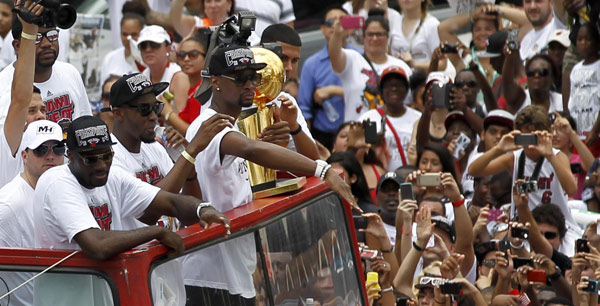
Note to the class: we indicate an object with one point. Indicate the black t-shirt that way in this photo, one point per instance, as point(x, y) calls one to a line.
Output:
point(561, 260)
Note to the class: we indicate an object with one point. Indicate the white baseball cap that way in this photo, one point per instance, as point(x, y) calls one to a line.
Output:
point(438, 76)
point(40, 131)
point(153, 33)
point(561, 36)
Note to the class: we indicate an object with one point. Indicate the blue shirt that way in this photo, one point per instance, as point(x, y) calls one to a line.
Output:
point(317, 73)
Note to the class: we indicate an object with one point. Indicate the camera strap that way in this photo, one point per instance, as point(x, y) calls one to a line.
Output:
point(388, 123)
point(536, 170)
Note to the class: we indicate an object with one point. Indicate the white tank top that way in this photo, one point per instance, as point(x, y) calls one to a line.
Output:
point(549, 189)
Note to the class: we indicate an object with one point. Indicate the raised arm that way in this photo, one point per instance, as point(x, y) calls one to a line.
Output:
point(488, 94)
point(183, 24)
point(560, 162)
point(22, 84)
point(538, 242)
point(516, 16)
point(495, 160)
point(514, 94)
point(462, 221)
point(336, 44)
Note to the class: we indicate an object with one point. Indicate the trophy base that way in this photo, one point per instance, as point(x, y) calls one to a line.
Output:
point(264, 186)
point(283, 186)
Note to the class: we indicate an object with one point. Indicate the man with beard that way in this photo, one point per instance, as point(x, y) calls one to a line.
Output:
point(60, 84)
point(541, 15)
point(222, 274)
point(136, 110)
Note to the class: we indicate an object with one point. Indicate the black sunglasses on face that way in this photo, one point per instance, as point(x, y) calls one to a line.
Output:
point(51, 35)
point(471, 84)
point(192, 54)
point(152, 45)
point(550, 235)
point(42, 150)
point(329, 22)
point(93, 159)
point(240, 80)
point(541, 72)
point(146, 109)
point(490, 263)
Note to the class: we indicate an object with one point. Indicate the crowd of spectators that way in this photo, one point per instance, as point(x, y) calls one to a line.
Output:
point(496, 139)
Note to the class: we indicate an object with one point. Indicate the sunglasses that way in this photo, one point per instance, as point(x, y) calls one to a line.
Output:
point(89, 160)
point(241, 80)
point(51, 35)
point(550, 235)
point(471, 84)
point(329, 22)
point(152, 45)
point(146, 109)
point(192, 54)
point(541, 72)
point(42, 150)
point(434, 281)
point(490, 263)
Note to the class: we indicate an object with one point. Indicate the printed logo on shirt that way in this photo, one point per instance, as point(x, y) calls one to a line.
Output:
point(543, 184)
point(151, 176)
point(103, 216)
point(243, 168)
point(370, 96)
point(59, 107)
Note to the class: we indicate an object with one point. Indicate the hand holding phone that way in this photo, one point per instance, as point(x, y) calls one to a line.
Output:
point(519, 232)
point(370, 132)
point(452, 288)
point(360, 222)
point(494, 213)
point(522, 261)
point(406, 191)
point(581, 246)
point(352, 22)
point(429, 179)
point(538, 276)
point(526, 139)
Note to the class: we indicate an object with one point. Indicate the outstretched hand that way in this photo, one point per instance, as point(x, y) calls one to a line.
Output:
point(335, 182)
point(208, 130)
point(209, 215)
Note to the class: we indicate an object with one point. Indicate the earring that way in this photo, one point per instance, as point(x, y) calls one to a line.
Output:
point(218, 89)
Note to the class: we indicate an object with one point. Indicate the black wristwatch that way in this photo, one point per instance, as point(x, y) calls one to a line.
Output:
point(556, 275)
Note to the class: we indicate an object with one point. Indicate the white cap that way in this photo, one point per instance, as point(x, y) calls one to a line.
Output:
point(155, 34)
point(561, 36)
point(438, 76)
point(40, 131)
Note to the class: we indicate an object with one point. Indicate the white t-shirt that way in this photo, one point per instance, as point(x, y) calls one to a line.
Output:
point(555, 102)
point(536, 40)
point(16, 217)
point(420, 44)
point(115, 63)
point(63, 93)
point(356, 75)
point(230, 264)
point(467, 180)
point(151, 165)
point(167, 75)
point(64, 208)
point(549, 189)
point(356, 38)
point(403, 126)
point(11, 165)
point(267, 12)
point(584, 101)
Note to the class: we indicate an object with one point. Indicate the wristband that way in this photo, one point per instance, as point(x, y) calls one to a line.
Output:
point(296, 131)
point(188, 157)
point(391, 288)
point(387, 251)
point(28, 36)
point(516, 247)
point(417, 247)
point(324, 173)
point(321, 165)
point(167, 116)
point(555, 276)
point(459, 203)
point(200, 206)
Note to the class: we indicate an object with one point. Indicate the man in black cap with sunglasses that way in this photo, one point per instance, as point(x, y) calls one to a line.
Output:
point(87, 205)
point(223, 177)
point(136, 110)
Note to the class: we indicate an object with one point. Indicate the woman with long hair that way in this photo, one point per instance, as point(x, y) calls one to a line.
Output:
point(354, 176)
point(415, 36)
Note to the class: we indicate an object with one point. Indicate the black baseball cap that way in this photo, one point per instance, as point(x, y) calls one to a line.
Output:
point(445, 225)
point(131, 86)
point(227, 59)
point(496, 43)
point(390, 176)
point(88, 133)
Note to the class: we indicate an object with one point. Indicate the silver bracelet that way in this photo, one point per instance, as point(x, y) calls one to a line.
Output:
point(200, 206)
point(516, 247)
point(391, 288)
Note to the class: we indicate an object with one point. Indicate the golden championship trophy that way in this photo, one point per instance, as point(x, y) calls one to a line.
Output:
point(254, 120)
